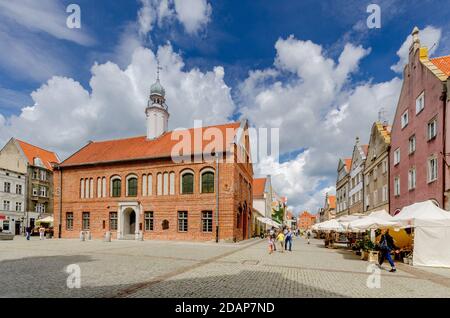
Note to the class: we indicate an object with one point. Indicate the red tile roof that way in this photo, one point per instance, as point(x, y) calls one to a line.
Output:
point(348, 163)
point(137, 148)
point(442, 63)
point(332, 202)
point(259, 184)
point(32, 152)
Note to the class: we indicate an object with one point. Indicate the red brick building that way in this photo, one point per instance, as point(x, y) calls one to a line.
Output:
point(151, 187)
point(306, 220)
point(418, 160)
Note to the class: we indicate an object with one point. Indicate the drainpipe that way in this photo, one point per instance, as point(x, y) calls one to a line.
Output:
point(217, 198)
point(444, 166)
point(60, 202)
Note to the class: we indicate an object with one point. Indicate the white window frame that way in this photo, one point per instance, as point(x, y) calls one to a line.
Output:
point(396, 156)
point(405, 119)
point(431, 134)
point(412, 179)
point(201, 178)
point(111, 185)
point(432, 174)
point(187, 171)
point(397, 186)
point(130, 176)
point(412, 141)
point(385, 193)
point(172, 183)
point(420, 102)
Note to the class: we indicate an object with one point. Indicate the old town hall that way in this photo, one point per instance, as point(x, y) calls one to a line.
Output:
point(143, 188)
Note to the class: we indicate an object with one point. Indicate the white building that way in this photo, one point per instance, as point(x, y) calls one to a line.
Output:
point(12, 201)
point(356, 181)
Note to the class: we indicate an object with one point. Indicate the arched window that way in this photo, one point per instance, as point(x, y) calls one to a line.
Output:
point(172, 183)
point(82, 188)
point(86, 188)
point(150, 184)
point(144, 185)
point(99, 187)
point(116, 187)
point(207, 181)
point(91, 188)
point(187, 182)
point(166, 183)
point(103, 187)
point(132, 186)
point(159, 184)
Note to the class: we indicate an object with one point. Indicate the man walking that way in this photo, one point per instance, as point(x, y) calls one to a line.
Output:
point(288, 240)
point(308, 234)
point(41, 233)
point(28, 232)
point(386, 246)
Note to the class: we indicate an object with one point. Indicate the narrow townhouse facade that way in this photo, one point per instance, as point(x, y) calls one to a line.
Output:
point(37, 166)
point(159, 186)
point(329, 208)
point(419, 155)
point(12, 201)
point(262, 203)
point(376, 172)
point(343, 187)
point(306, 220)
point(356, 179)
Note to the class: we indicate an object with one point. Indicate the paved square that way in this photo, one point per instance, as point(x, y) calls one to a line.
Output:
point(188, 269)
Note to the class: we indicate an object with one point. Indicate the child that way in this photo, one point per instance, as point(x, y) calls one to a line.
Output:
point(280, 238)
point(271, 244)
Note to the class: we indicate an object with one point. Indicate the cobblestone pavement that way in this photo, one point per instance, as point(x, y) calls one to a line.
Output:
point(187, 269)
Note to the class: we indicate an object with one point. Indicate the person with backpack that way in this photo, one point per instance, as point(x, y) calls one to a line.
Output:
point(386, 246)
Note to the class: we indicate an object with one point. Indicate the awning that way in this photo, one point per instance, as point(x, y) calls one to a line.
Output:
point(48, 219)
point(269, 222)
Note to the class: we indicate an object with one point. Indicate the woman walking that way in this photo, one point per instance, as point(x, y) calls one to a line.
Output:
point(280, 238)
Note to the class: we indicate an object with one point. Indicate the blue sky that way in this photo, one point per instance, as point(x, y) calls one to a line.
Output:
point(239, 36)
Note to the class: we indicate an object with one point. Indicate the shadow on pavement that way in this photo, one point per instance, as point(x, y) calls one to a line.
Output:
point(45, 277)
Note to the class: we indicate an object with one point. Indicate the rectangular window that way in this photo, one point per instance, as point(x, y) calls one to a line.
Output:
point(385, 193)
point(207, 218)
point(43, 192)
point(113, 221)
point(182, 221)
point(39, 208)
point(86, 221)
point(412, 144)
point(69, 221)
point(35, 174)
point(405, 119)
point(420, 103)
point(375, 197)
point(6, 205)
point(432, 129)
point(412, 179)
point(148, 221)
point(7, 187)
point(43, 175)
point(18, 189)
point(432, 169)
point(18, 206)
point(384, 166)
point(397, 186)
point(397, 156)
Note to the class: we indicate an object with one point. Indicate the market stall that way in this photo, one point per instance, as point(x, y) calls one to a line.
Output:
point(430, 232)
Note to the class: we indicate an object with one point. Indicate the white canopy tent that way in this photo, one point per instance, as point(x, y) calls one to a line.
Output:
point(431, 233)
point(370, 223)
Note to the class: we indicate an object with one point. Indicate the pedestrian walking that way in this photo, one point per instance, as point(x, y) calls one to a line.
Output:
point(280, 239)
point(308, 235)
point(28, 232)
point(273, 236)
point(288, 240)
point(41, 232)
point(271, 243)
point(386, 246)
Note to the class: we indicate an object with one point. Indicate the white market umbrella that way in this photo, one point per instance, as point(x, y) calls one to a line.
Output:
point(269, 222)
point(381, 214)
point(331, 225)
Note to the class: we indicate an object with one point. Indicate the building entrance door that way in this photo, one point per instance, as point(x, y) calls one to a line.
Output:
point(17, 228)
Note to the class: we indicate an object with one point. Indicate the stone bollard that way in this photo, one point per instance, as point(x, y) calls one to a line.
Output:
point(108, 236)
point(82, 236)
point(89, 235)
point(140, 236)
